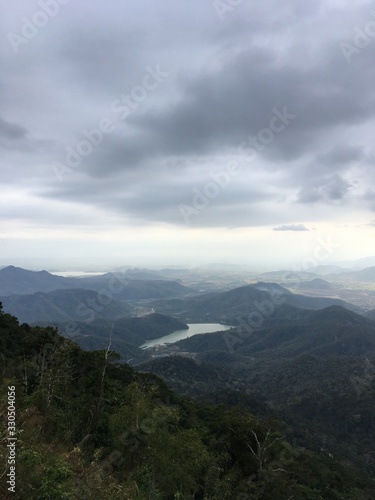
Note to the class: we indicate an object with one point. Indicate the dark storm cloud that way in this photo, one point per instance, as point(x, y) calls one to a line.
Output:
point(163, 195)
point(341, 155)
point(338, 159)
point(224, 106)
point(120, 153)
point(12, 131)
point(330, 189)
point(229, 81)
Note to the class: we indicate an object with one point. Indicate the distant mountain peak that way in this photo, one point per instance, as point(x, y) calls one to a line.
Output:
point(336, 312)
point(315, 284)
point(270, 287)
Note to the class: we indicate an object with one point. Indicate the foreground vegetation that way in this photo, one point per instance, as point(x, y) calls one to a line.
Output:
point(90, 427)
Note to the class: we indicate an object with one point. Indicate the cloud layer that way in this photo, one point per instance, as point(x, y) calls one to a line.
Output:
point(130, 110)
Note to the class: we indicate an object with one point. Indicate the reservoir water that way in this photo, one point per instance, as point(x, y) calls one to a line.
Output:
point(194, 329)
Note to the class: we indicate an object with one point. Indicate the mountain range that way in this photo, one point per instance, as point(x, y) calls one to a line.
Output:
point(64, 305)
point(317, 284)
point(290, 332)
point(364, 275)
point(332, 273)
point(308, 362)
point(15, 280)
point(228, 306)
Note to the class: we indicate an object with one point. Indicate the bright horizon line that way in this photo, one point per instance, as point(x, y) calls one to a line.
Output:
point(101, 268)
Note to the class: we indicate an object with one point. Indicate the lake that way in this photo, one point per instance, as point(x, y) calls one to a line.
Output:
point(77, 274)
point(194, 329)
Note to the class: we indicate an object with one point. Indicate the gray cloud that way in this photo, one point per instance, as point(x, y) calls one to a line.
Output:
point(328, 189)
point(291, 227)
point(369, 199)
point(11, 130)
point(341, 154)
point(226, 79)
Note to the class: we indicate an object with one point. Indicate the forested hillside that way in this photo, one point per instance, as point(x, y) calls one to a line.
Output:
point(89, 427)
point(229, 305)
point(314, 369)
point(125, 334)
point(64, 305)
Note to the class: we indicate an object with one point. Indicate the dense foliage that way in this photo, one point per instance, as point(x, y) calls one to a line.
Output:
point(314, 369)
point(89, 427)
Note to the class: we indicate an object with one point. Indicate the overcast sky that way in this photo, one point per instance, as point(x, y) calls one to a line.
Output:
point(187, 131)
